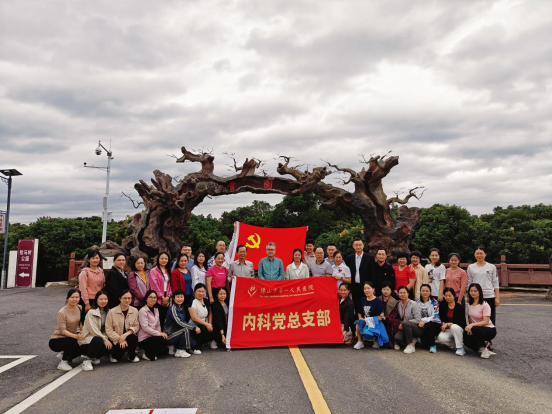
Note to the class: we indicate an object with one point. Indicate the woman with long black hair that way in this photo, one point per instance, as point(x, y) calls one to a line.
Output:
point(480, 330)
point(95, 343)
point(67, 334)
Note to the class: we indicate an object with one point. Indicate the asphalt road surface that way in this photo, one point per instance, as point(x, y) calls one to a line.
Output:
point(516, 380)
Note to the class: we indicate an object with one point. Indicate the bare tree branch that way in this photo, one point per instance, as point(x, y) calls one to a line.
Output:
point(135, 204)
point(416, 192)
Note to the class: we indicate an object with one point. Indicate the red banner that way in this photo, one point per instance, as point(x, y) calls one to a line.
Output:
point(286, 240)
point(280, 313)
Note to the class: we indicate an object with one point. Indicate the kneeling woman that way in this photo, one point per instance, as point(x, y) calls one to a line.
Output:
point(391, 318)
point(150, 337)
point(368, 307)
point(430, 322)
point(410, 316)
point(178, 329)
point(95, 342)
point(480, 329)
point(66, 336)
point(453, 316)
point(200, 315)
point(346, 313)
point(121, 327)
point(219, 312)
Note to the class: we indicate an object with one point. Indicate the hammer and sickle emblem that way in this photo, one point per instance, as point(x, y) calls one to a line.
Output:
point(254, 243)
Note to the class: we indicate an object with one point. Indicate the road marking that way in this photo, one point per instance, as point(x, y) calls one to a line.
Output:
point(316, 398)
point(26, 403)
point(19, 360)
point(523, 304)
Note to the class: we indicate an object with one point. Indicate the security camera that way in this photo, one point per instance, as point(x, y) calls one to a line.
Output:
point(99, 150)
point(85, 164)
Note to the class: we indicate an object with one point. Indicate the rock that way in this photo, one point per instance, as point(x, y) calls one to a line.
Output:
point(57, 284)
point(548, 295)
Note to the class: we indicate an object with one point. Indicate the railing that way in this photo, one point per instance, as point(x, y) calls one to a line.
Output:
point(74, 266)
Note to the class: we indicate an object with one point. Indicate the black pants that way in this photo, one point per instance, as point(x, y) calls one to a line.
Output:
point(154, 346)
point(357, 292)
point(117, 352)
point(162, 315)
point(69, 346)
point(217, 336)
point(203, 337)
point(491, 302)
point(431, 330)
point(479, 335)
point(95, 349)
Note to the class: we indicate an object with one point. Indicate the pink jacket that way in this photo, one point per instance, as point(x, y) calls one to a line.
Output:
point(138, 288)
point(90, 283)
point(149, 323)
point(157, 283)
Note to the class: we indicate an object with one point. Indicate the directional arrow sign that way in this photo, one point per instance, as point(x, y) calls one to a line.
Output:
point(24, 274)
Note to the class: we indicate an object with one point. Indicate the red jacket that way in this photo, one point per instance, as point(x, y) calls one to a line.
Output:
point(177, 281)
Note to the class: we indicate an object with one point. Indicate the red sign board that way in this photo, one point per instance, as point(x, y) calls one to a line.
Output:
point(280, 313)
point(24, 266)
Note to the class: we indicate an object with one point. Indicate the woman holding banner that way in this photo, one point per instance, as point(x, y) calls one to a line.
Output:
point(297, 269)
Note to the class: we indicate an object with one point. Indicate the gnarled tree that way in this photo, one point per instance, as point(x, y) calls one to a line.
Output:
point(168, 207)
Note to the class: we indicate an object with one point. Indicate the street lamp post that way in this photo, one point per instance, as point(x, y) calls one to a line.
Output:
point(108, 170)
point(8, 173)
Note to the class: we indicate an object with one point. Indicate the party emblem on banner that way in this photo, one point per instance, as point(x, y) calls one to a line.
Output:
point(255, 243)
point(252, 290)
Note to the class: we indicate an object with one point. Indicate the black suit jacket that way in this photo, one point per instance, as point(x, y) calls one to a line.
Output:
point(365, 269)
point(115, 283)
point(219, 317)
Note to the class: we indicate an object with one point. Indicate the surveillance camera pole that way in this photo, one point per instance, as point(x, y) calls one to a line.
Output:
point(108, 170)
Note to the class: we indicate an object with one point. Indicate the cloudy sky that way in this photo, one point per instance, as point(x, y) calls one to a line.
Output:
point(460, 91)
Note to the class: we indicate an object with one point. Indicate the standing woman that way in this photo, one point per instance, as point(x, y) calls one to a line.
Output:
point(404, 274)
point(116, 280)
point(121, 327)
point(409, 314)
point(138, 283)
point(150, 336)
point(436, 273)
point(368, 307)
point(181, 279)
point(480, 330)
point(456, 278)
point(95, 343)
point(200, 315)
point(391, 318)
point(91, 278)
point(486, 276)
point(66, 336)
point(346, 313)
point(296, 269)
point(199, 269)
point(219, 312)
point(341, 272)
point(178, 329)
point(216, 277)
point(430, 322)
point(160, 282)
point(453, 315)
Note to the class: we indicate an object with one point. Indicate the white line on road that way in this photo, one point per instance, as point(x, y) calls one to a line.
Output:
point(19, 360)
point(23, 405)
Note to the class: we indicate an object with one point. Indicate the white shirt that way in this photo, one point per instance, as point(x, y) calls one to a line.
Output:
point(358, 260)
point(202, 311)
point(343, 271)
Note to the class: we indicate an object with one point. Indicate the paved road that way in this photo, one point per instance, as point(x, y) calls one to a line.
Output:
point(517, 380)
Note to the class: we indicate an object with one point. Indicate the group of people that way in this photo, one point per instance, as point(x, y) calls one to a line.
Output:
point(177, 308)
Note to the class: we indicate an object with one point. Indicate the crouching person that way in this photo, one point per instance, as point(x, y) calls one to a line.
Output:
point(150, 337)
point(95, 344)
point(178, 330)
point(121, 327)
point(453, 316)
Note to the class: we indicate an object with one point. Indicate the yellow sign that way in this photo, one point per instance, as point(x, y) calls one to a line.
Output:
point(254, 243)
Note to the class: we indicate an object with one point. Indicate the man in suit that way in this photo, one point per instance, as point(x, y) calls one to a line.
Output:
point(361, 265)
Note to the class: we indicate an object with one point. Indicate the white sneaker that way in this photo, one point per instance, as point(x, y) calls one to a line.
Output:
point(171, 350)
point(136, 359)
point(213, 345)
point(87, 365)
point(96, 361)
point(180, 353)
point(111, 359)
point(375, 345)
point(397, 347)
point(60, 356)
point(480, 350)
point(409, 349)
point(359, 345)
point(64, 366)
point(147, 359)
point(196, 352)
point(485, 353)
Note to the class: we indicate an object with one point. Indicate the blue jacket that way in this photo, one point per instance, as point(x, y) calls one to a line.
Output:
point(377, 332)
point(176, 325)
